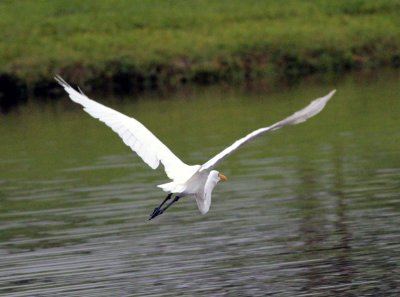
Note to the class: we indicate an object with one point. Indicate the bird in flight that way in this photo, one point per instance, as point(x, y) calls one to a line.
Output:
point(186, 180)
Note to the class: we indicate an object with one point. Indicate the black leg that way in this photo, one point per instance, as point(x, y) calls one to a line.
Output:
point(172, 202)
point(165, 200)
point(158, 210)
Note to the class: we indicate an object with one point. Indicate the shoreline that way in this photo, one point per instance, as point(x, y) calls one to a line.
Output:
point(133, 46)
point(125, 79)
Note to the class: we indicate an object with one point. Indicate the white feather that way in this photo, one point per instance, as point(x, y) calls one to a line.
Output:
point(298, 117)
point(135, 135)
point(203, 197)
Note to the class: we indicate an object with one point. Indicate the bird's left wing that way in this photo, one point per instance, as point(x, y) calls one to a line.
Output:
point(298, 117)
point(134, 134)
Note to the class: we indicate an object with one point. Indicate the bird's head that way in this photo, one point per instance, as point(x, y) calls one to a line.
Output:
point(216, 176)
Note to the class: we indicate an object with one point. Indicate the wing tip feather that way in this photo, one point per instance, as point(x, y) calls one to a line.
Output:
point(61, 81)
point(331, 93)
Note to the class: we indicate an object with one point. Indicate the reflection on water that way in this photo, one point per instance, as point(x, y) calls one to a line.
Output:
point(313, 210)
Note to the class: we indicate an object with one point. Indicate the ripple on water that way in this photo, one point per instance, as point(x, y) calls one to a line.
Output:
point(305, 213)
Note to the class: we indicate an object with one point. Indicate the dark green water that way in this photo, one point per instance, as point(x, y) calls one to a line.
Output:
point(311, 210)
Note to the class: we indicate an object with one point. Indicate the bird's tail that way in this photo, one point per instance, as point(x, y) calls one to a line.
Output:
point(172, 187)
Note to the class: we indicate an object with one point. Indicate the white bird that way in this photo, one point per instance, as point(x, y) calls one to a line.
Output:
point(186, 180)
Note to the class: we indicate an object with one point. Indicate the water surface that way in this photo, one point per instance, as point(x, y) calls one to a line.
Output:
point(310, 210)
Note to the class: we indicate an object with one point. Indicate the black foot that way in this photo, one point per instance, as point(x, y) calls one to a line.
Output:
point(156, 212)
point(160, 210)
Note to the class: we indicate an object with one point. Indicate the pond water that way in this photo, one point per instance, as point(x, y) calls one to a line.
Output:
point(310, 210)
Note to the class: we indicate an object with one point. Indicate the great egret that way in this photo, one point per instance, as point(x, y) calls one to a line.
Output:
point(193, 180)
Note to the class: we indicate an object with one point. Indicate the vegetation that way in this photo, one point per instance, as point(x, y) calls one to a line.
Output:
point(159, 42)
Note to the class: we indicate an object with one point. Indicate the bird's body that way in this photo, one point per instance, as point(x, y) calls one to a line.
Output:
point(186, 180)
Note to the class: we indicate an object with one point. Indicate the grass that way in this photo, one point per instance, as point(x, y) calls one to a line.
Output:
point(161, 41)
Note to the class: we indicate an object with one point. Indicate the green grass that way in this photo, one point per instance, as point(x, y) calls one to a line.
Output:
point(195, 39)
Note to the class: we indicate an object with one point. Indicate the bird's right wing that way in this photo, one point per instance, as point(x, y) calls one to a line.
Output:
point(298, 117)
point(134, 134)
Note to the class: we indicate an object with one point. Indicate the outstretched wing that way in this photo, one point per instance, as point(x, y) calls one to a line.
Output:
point(134, 135)
point(298, 117)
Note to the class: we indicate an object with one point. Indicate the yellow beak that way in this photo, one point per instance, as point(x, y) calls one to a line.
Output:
point(222, 177)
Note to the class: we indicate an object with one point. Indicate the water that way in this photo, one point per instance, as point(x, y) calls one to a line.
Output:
point(311, 210)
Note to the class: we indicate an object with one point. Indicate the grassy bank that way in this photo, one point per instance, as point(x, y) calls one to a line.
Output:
point(146, 44)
